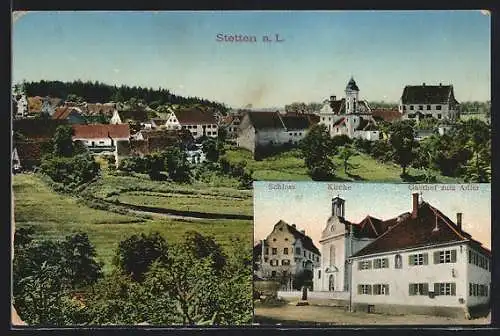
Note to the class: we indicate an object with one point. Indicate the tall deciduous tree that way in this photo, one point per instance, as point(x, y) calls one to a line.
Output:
point(402, 140)
point(63, 141)
point(317, 148)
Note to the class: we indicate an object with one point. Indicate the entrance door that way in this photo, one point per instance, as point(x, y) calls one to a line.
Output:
point(331, 283)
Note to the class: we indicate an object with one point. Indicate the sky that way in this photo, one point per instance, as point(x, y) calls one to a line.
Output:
point(320, 51)
point(308, 205)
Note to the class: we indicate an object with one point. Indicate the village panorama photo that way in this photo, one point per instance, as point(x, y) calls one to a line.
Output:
point(372, 254)
point(137, 137)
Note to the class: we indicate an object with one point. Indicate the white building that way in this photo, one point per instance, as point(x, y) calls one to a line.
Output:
point(197, 121)
point(22, 106)
point(260, 129)
point(419, 262)
point(285, 253)
point(101, 138)
point(349, 116)
point(421, 101)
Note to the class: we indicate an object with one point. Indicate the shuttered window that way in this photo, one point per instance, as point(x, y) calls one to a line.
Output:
point(364, 265)
point(419, 289)
point(445, 288)
point(418, 259)
point(445, 257)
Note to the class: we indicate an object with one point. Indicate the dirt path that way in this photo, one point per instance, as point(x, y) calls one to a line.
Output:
point(311, 315)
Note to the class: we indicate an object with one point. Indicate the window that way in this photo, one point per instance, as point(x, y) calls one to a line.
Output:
point(285, 250)
point(478, 290)
point(420, 107)
point(439, 116)
point(285, 262)
point(381, 263)
point(444, 257)
point(101, 142)
point(290, 134)
point(404, 107)
point(295, 134)
point(274, 239)
point(305, 255)
point(209, 133)
point(418, 259)
point(419, 289)
point(300, 133)
point(411, 107)
point(286, 239)
point(398, 261)
point(364, 265)
point(266, 259)
point(297, 250)
point(381, 289)
point(273, 274)
point(275, 251)
point(195, 133)
point(273, 262)
point(365, 289)
point(428, 107)
point(319, 274)
point(267, 250)
point(438, 107)
point(445, 288)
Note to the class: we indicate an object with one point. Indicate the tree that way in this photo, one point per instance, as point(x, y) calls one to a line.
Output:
point(205, 246)
point(154, 165)
point(74, 98)
point(317, 148)
point(136, 253)
point(402, 141)
point(177, 165)
point(345, 154)
point(63, 141)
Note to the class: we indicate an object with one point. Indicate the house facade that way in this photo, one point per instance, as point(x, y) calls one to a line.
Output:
point(101, 138)
point(349, 116)
point(419, 262)
point(286, 252)
point(22, 106)
point(421, 101)
point(260, 129)
point(197, 121)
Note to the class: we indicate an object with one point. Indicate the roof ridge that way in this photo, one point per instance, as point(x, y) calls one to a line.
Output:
point(437, 212)
point(379, 237)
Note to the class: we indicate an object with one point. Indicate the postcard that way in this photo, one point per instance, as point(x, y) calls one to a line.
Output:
point(137, 137)
point(372, 253)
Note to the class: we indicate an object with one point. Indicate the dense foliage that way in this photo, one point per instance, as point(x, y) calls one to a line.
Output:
point(317, 148)
point(96, 92)
point(190, 283)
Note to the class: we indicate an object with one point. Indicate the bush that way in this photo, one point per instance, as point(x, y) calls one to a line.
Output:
point(70, 171)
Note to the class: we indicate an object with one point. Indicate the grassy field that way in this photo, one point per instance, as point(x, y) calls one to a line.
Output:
point(289, 166)
point(55, 216)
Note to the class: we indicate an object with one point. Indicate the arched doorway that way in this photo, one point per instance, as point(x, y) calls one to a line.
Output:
point(331, 283)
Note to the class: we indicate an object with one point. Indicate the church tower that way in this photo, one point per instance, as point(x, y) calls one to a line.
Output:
point(338, 207)
point(351, 97)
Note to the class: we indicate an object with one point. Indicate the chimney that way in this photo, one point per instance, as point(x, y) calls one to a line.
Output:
point(414, 214)
point(303, 232)
point(333, 98)
point(459, 221)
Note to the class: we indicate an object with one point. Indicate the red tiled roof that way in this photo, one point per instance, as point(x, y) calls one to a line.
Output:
point(386, 114)
point(194, 115)
point(413, 232)
point(63, 112)
point(101, 131)
point(98, 108)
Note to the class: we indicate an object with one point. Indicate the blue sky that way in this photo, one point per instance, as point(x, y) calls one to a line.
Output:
point(309, 205)
point(384, 51)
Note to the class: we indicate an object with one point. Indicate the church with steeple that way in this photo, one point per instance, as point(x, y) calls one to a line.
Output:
point(340, 239)
point(349, 115)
